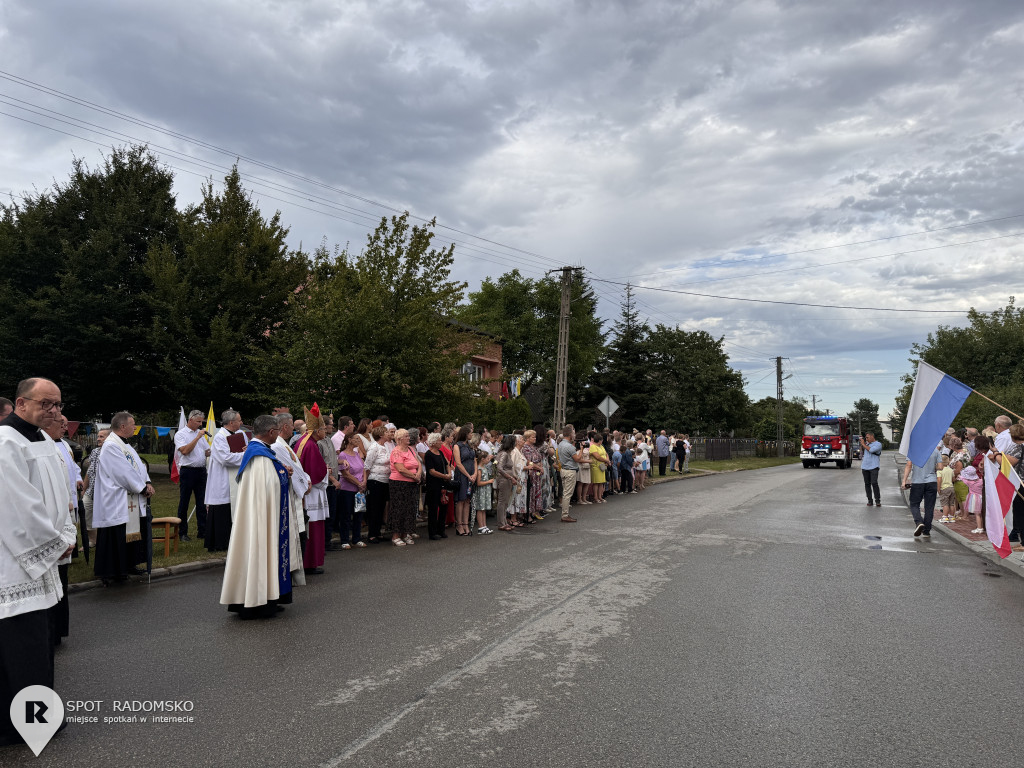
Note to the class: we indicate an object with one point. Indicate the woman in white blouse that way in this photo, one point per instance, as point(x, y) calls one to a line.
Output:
point(378, 470)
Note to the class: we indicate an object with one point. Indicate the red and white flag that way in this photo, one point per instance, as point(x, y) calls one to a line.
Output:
point(174, 462)
point(1001, 484)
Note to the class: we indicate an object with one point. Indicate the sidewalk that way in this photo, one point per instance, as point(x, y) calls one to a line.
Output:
point(960, 532)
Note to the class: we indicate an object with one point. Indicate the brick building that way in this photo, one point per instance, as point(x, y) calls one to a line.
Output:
point(484, 364)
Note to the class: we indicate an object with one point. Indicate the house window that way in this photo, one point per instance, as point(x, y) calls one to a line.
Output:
point(473, 372)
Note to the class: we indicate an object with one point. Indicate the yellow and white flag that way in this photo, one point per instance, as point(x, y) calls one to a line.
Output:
point(211, 425)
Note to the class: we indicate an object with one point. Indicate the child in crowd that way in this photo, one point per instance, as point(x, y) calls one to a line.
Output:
point(626, 467)
point(947, 496)
point(482, 493)
point(972, 505)
point(642, 465)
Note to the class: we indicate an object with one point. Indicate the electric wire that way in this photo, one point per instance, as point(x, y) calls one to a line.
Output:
point(791, 303)
point(822, 248)
point(24, 82)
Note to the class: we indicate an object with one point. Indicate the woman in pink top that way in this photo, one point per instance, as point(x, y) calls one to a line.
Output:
point(353, 481)
point(404, 489)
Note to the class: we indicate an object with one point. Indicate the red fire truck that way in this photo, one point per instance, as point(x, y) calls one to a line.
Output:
point(826, 438)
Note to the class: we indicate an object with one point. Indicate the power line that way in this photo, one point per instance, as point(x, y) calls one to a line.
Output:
point(854, 261)
point(208, 165)
point(791, 303)
point(823, 248)
point(24, 82)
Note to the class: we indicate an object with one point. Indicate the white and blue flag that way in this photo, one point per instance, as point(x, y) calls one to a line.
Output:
point(935, 402)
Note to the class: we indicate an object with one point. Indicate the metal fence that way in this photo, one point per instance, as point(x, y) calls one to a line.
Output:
point(723, 448)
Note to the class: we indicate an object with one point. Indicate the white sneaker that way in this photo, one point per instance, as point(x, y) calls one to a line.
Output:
point(346, 545)
point(360, 544)
point(408, 540)
point(485, 530)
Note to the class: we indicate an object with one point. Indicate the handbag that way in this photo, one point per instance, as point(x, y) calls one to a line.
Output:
point(360, 503)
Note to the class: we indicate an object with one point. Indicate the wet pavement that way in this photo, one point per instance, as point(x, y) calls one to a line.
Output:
point(766, 617)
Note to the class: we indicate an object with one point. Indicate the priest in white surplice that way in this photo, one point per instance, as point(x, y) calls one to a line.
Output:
point(298, 488)
point(119, 504)
point(258, 571)
point(35, 533)
point(220, 482)
point(56, 428)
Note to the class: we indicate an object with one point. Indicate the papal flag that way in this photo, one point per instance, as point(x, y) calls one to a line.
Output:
point(211, 425)
point(1001, 483)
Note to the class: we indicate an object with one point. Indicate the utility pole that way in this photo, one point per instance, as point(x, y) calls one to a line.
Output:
point(562, 359)
point(778, 418)
point(814, 404)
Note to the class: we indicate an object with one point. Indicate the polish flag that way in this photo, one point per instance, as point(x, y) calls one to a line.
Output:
point(1001, 483)
point(174, 462)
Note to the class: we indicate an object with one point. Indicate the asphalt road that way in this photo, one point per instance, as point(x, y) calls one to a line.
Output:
point(767, 617)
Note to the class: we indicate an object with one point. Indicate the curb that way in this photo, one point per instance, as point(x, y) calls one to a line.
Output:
point(984, 550)
point(157, 574)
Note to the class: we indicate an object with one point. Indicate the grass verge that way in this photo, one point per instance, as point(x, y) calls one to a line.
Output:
point(728, 465)
point(164, 504)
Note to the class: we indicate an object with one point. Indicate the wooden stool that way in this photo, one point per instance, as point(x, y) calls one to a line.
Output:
point(170, 533)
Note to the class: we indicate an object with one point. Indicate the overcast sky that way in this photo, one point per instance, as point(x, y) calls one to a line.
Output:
point(744, 149)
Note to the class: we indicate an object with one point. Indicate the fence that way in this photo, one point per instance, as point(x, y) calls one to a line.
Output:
point(723, 448)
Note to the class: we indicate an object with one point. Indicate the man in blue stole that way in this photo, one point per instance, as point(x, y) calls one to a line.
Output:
point(257, 574)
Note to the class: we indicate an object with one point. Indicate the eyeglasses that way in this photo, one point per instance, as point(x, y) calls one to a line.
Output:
point(47, 405)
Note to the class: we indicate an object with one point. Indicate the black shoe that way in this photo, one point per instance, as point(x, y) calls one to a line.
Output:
point(435, 537)
point(184, 537)
point(444, 535)
point(919, 530)
point(878, 503)
point(136, 572)
point(313, 571)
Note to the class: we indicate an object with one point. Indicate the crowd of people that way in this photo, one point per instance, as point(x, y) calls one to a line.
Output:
point(276, 496)
point(954, 476)
point(349, 485)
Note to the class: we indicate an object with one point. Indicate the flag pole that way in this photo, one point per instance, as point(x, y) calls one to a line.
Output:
point(997, 404)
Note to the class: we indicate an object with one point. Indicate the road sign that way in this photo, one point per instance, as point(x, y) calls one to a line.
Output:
point(608, 407)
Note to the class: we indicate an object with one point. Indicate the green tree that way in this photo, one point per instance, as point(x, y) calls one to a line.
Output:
point(764, 418)
point(622, 375)
point(218, 297)
point(75, 286)
point(864, 418)
point(986, 354)
point(507, 307)
point(693, 388)
point(370, 333)
point(524, 313)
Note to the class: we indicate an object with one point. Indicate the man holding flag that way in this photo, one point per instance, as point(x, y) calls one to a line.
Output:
point(934, 403)
point(190, 454)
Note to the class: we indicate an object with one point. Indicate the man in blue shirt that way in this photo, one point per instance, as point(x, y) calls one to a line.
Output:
point(871, 452)
point(923, 484)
